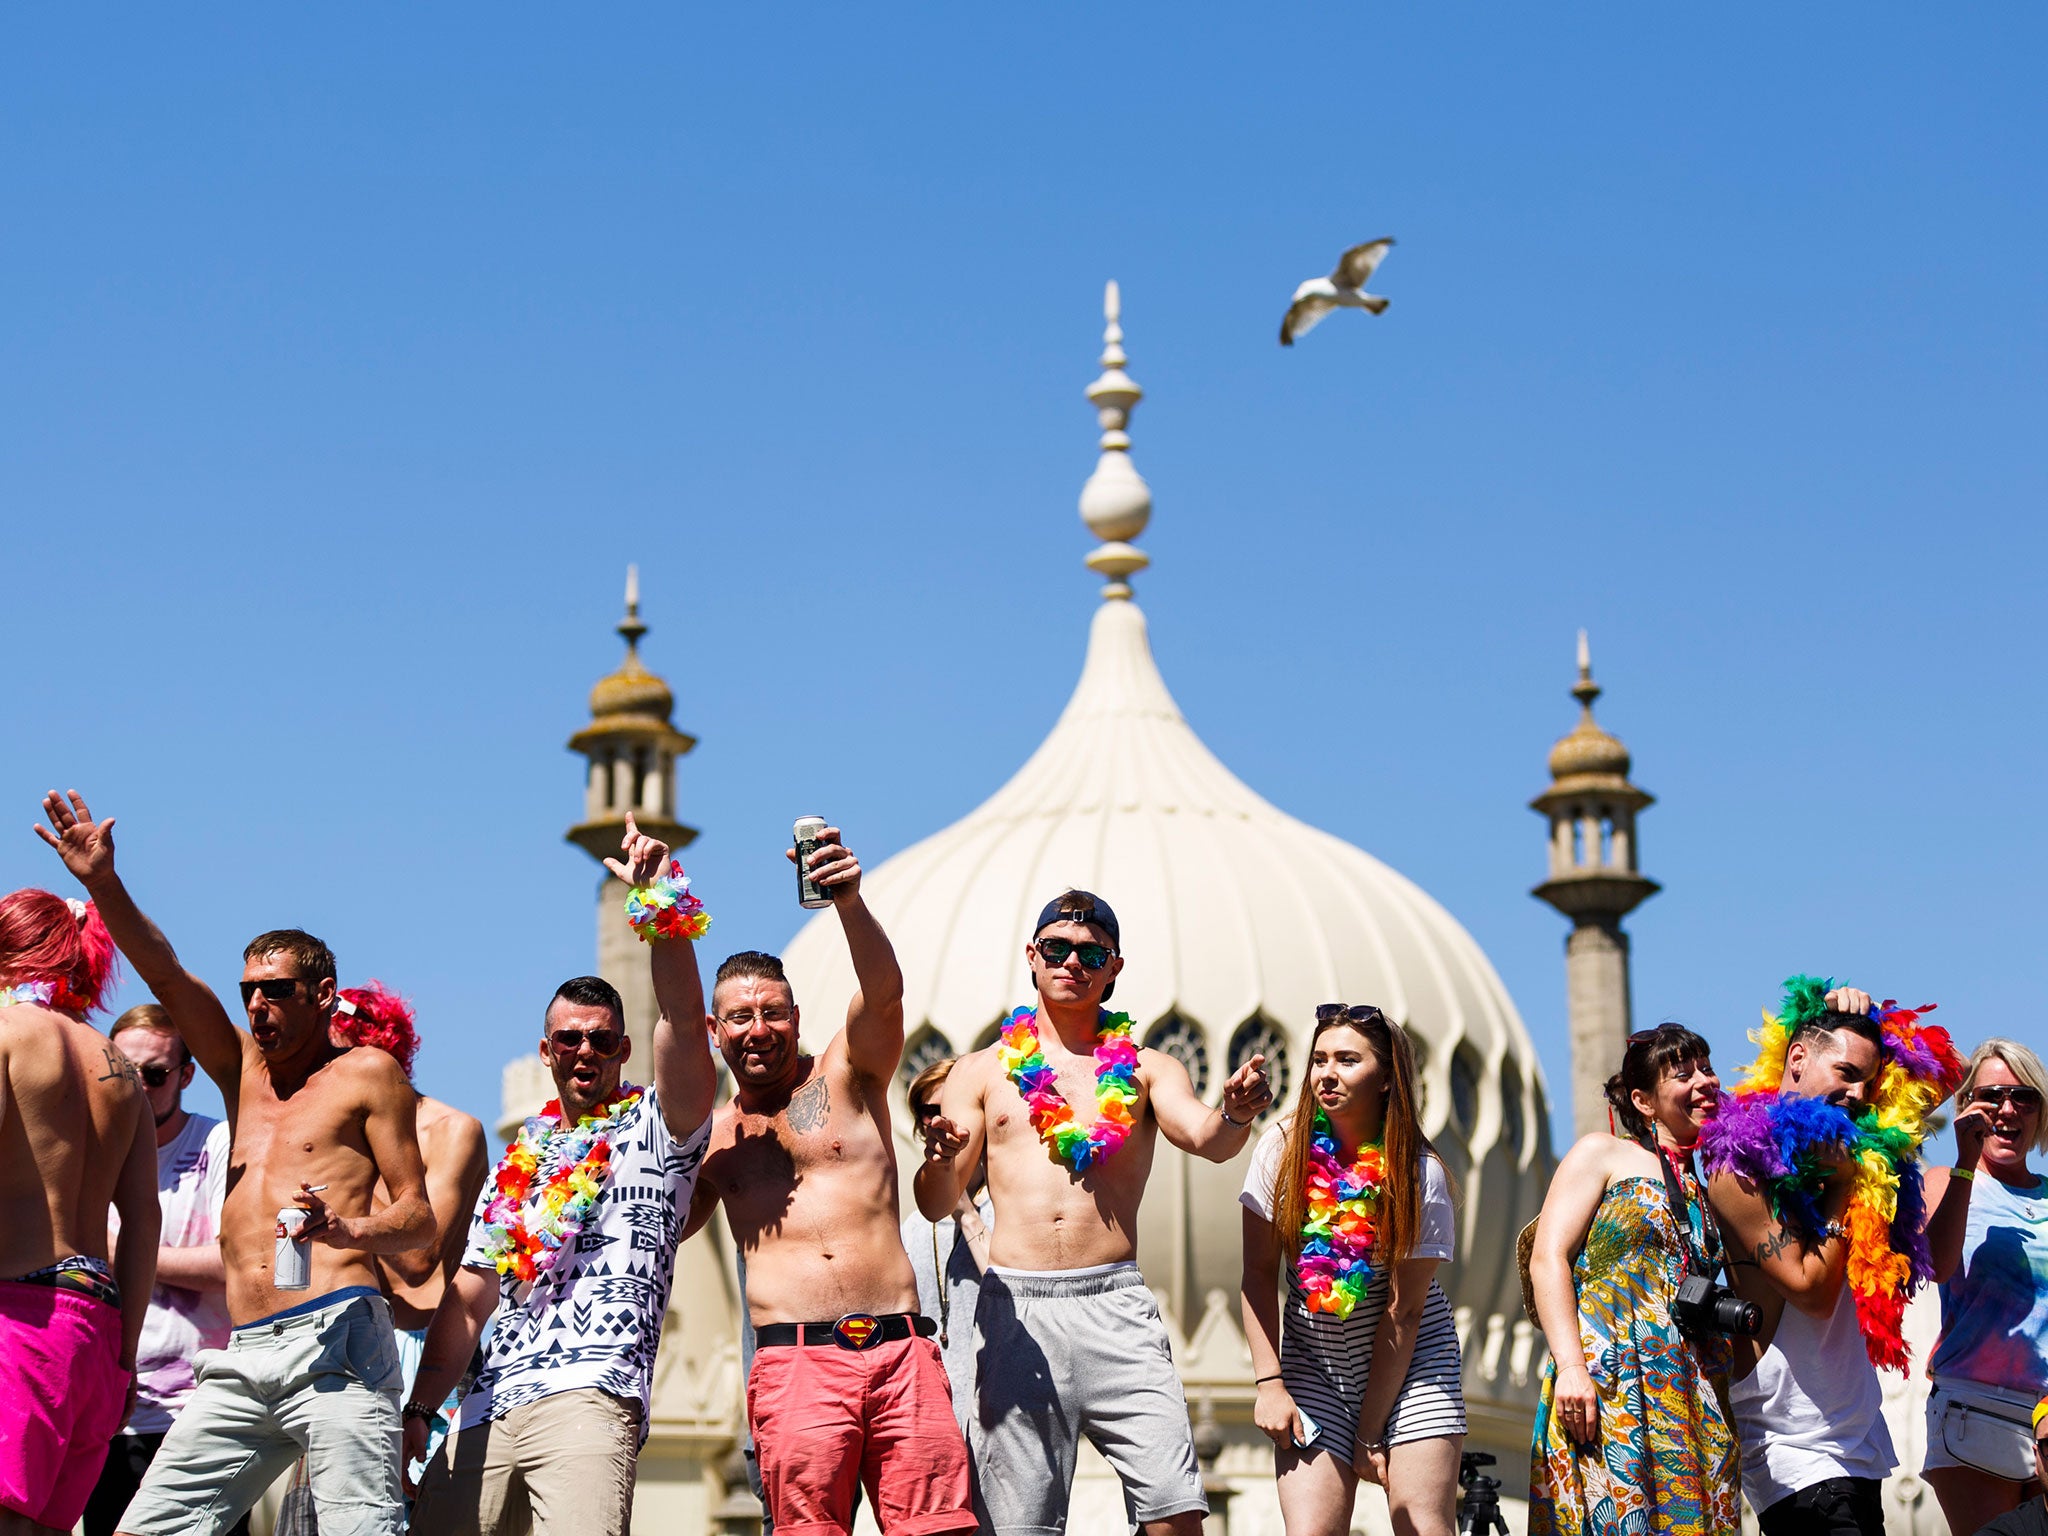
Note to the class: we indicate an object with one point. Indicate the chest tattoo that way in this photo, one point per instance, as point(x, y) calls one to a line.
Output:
point(809, 1106)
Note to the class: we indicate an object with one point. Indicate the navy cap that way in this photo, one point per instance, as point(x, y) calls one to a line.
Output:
point(1079, 907)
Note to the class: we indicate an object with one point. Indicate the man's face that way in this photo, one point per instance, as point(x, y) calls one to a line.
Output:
point(161, 1061)
point(754, 1019)
point(586, 1049)
point(1840, 1067)
point(285, 1025)
point(1068, 980)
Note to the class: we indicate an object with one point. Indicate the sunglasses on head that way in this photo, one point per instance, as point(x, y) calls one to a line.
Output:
point(2018, 1095)
point(1093, 957)
point(155, 1076)
point(1356, 1013)
point(603, 1042)
point(276, 988)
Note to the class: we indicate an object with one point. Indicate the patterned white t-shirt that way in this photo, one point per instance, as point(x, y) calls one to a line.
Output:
point(594, 1319)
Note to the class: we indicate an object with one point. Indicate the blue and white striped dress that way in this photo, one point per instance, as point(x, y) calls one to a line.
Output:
point(1325, 1361)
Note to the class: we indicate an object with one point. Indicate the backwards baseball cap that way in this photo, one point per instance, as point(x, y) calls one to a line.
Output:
point(2040, 1414)
point(1079, 907)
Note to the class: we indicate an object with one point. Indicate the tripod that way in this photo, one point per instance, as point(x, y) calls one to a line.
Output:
point(1479, 1496)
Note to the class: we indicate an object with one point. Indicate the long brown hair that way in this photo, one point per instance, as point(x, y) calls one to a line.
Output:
point(1397, 1215)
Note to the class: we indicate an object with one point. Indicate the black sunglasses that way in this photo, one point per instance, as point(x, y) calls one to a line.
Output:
point(2018, 1095)
point(1357, 1013)
point(276, 988)
point(603, 1042)
point(924, 1112)
point(155, 1076)
point(1093, 957)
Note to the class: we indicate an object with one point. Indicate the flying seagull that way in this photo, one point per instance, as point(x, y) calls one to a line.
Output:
point(1342, 289)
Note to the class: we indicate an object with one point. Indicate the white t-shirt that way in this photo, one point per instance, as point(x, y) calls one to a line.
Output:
point(594, 1319)
point(1437, 1233)
point(1812, 1410)
point(191, 1179)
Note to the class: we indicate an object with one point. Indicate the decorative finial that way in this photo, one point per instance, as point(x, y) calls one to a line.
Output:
point(630, 627)
point(1586, 690)
point(1115, 503)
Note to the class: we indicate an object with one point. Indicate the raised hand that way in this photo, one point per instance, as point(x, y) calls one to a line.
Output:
point(645, 857)
point(1971, 1127)
point(85, 846)
point(832, 866)
point(1848, 1000)
point(1248, 1092)
point(943, 1140)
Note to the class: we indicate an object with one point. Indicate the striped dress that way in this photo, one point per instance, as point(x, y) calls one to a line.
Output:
point(1325, 1361)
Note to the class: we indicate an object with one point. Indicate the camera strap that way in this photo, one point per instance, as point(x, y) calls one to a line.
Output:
point(1705, 1257)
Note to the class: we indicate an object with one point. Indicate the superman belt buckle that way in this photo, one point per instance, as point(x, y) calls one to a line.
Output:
point(857, 1330)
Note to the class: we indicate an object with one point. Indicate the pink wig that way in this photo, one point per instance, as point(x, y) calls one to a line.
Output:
point(45, 938)
point(377, 1016)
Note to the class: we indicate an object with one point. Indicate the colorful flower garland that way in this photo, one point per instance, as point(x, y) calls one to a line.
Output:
point(1116, 1063)
point(526, 1243)
point(665, 909)
point(1788, 1144)
point(37, 993)
point(1335, 1262)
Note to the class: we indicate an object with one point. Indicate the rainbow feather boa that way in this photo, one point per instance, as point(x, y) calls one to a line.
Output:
point(1785, 1145)
point(1116, 1065)
point(1334, 1266)
point(665, 909)
point(525, 1242)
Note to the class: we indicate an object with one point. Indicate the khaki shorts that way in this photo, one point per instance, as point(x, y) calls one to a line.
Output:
point(559, 1466)
point(319, 1381)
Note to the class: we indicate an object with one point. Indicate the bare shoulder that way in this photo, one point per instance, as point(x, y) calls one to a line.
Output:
point(375, 1077)
point(443, 1126)
point(1612, 1157)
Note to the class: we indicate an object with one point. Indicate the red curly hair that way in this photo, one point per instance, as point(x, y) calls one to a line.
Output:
point(381, 1018)
point(43, 939)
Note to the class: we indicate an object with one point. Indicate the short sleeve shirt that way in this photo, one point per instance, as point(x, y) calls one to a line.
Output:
point(1436, 1237)
point(191, 1179)
point(593, 1320)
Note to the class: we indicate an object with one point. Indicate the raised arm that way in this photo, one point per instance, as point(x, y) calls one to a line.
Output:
point(685, 1078)
point(87, 849)
point(874, 1019)
point(953, 1139)
point(1217, 1134)
point(1808, 1274)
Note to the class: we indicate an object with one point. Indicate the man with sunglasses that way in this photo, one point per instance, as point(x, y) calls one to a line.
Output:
point(188, 1309)
point(2031, 1518)
point(1069, 1340)
point(847, 1386)
point(575, 1283)
point(310, 1371)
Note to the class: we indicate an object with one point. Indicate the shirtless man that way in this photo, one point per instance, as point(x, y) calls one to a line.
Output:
point(457, 1156)
point(803, 1160)
point(1068, 1339)
point(309, 1372)
point(76, 1135)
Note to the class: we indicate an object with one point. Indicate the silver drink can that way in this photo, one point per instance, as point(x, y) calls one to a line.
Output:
point(293, 1268)
point(807, 832)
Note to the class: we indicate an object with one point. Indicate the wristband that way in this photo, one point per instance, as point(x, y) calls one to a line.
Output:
point(665, 909)
point(1260, 1381)
point(1240, 1124)
point(418, 1411)
point(1967, 1175)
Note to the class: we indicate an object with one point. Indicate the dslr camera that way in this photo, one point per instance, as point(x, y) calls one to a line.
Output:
point(1702, 1308)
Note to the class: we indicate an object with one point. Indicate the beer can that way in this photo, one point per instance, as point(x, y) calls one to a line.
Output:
point(807, 832)
point(293, 1267)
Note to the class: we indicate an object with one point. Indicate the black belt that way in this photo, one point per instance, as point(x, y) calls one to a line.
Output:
point(856, 1330)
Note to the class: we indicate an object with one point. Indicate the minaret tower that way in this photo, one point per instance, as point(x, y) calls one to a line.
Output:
point(1593, 881)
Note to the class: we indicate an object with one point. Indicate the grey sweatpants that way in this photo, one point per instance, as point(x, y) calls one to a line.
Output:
point(1060, 1356)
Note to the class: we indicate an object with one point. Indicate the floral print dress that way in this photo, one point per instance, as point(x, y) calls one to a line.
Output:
point(1665, 1459)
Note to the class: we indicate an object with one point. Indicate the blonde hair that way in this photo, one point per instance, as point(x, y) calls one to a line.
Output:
point(2025, 1066)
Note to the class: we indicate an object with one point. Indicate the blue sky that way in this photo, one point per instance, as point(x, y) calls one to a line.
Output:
point(349, 357)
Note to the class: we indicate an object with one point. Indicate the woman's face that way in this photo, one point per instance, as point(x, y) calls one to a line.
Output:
point(2015, 1117)
point(1344, 1074)
point(1684, 1099)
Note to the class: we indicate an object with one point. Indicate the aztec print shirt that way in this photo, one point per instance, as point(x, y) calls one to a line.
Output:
point(594, 1320)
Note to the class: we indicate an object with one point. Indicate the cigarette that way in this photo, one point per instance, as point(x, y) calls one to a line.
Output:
point(312, 1189)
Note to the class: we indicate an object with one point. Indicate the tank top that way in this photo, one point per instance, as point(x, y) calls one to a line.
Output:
point(1994, 1309)
point(1812, 1409)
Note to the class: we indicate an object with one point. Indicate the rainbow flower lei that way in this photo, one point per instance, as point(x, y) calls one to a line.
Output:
point(665, 909)
point(1786, 1145)
point(1116, 1063)
point(1335, 1262)
point(524, 1242)
point(37, 992)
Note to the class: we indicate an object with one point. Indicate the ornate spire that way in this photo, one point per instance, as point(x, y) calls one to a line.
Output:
point(632, 747)
point(1588, 749)
point(1116, 503)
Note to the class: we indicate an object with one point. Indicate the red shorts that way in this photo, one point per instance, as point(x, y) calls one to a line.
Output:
point(64, 1397)
point(825, 1419)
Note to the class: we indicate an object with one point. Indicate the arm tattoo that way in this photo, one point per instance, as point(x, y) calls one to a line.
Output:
point(809, 1105)
point(119, 1066)
point(1776, 1244)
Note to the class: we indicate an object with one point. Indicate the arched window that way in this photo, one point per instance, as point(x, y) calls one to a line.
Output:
point(1464, 1090)
point(1260, 1036)
point(1419, 1049)
point(989, 1036)
point(1182, 1040)
point(1513, 1122)
point(923, 1048)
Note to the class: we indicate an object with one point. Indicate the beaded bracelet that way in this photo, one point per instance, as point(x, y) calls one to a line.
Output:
point(665, 909)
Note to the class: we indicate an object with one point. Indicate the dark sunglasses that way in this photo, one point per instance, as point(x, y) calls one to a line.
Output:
point(2017, 1095)
point(603, 1042)
point(156, 1077)
point(924, 1112)
point(1093, 957)
point(277, 988)
point(1356, 1013)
